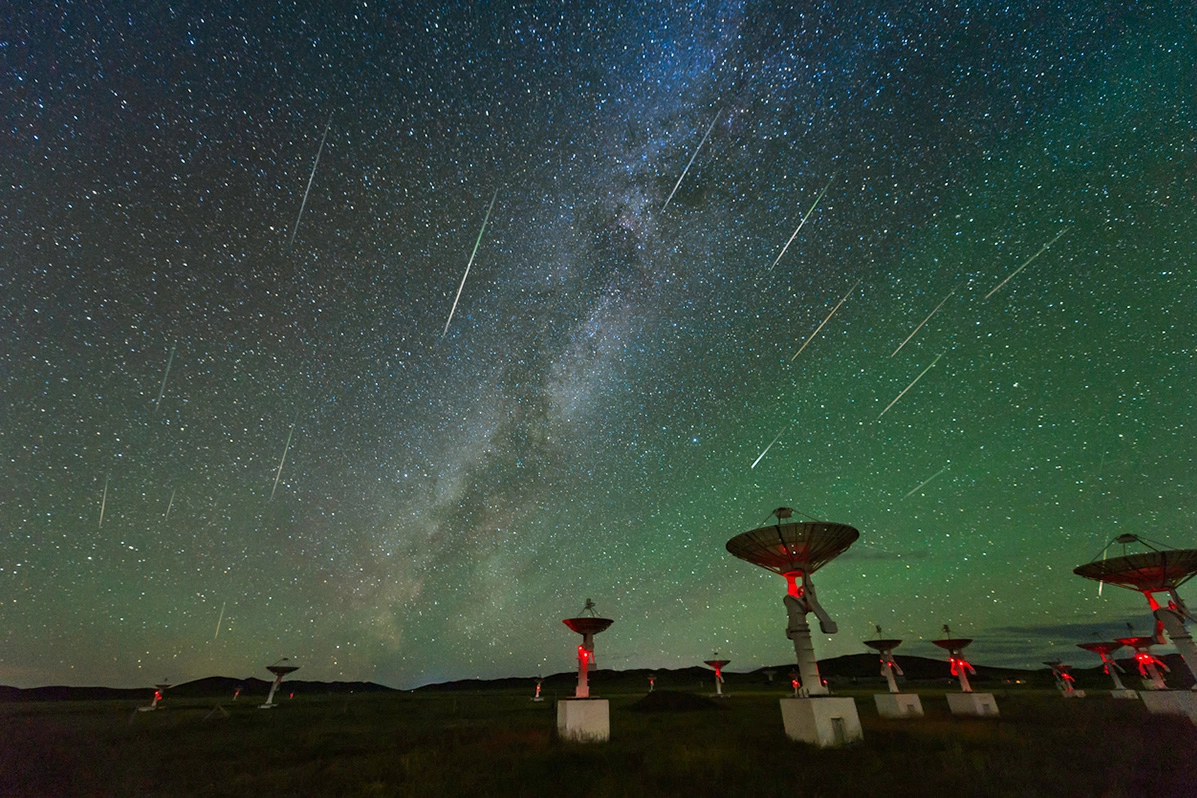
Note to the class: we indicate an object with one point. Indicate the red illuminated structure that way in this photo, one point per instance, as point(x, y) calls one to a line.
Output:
point(1109, 666)
point(1157, 570)
point(895, 703)
point(279, 670)
point(795, 550)
point(718, 665)
point(966, 702)
point(960, 667)
point(587, 625)
point(1147, 662)
point(1064, 680)
point(158, 690)
point(885, 647)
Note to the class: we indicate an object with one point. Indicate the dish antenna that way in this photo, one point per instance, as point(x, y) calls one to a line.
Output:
point(795, 550)
point(279, 669)
point(1149, 665)
point(158, 690)
point(588, 625)
point(582, 718)
point(652, 682)
point(1064, 679)
point(966, 702)
point(895, 703)
point(1158, 569)
point(718, 665)
point(1109, 666)
point(539, 681)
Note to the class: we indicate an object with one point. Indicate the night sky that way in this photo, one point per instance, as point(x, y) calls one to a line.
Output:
point(621, 352)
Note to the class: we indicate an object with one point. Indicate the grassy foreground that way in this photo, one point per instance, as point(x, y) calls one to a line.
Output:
point(501, 743)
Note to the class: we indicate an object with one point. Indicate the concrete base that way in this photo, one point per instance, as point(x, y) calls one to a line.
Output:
point(824, 721)
point(981, 705)
point(1171, 702)
point(1074, 694)
point(1130, 694)
point(584, 720)
point(898, 705)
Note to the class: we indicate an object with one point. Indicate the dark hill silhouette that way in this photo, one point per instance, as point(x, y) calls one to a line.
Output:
point(853, 669)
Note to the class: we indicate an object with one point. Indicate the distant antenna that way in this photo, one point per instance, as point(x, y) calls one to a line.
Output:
point(895, 703)
point(718, 665)
point(1064, 679)
point(1110, 666)
point(539, 681)
point(652, 682)
point(279, 669)
point(158, 690)
point(1149, 664)
point(966, 702)
point(582, 718)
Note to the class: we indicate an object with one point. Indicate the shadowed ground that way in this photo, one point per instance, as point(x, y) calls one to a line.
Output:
point(501, 743)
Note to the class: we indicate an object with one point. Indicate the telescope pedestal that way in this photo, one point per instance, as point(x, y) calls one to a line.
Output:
point(1171, 702)
point(584, 720)
point(825, 721)
point(981, 705)
point(898, 705)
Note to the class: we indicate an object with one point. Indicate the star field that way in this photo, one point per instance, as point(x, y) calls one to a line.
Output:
point(588, 423)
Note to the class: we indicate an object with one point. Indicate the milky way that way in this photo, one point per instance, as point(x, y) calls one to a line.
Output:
point(587, 425)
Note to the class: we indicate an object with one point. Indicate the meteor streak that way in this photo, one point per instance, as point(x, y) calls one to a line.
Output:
point(925, 481)
point(770, 446)
point(1042, 249)
point(104, 501)
point(470, 263)
point(284, 459)
point(162, 390)
point(804, 218)
point(924, 321)
point(311, 177)
point(829, 315)
point(219, 621)
point(692, 157)
point(908, 387)
point(169, 504)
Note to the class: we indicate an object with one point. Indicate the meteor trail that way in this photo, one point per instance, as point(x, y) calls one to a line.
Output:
point(219, 620)
point(311, 177)
point(470, 263)
point(1028, 261)
point(924, 321)
point(829, 315)
point(692, 157)
point(925, 481)
point(284, 459)
point(804, 218)
point(162, 390)
point(104, 501)
point(169, 504)
point(908, 387)
point(770, 446)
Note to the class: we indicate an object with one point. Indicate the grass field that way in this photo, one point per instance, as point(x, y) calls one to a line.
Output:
point(501, 743)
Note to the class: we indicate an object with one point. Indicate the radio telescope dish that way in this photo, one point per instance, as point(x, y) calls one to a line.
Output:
point(960, 667)
point(1105, 649)
point(796, 550)
point(1159, 569)
point(718, 665)
point(793, 548)
point(588, 625)
point(279, 669)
